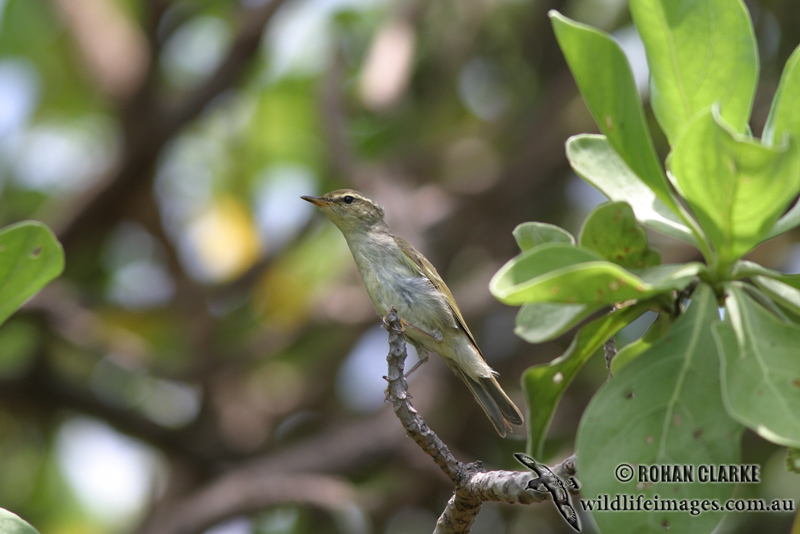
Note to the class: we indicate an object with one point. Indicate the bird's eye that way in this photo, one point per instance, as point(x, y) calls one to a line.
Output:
point(348, 199)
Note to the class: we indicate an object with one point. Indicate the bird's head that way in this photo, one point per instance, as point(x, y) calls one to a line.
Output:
point(350, 210)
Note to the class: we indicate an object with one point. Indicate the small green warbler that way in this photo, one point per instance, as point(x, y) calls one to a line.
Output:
point(395, 274)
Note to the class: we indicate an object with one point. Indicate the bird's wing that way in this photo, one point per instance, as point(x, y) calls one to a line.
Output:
point(429, 271)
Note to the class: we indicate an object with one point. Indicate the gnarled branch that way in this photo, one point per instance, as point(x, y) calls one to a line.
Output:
point(474, 485)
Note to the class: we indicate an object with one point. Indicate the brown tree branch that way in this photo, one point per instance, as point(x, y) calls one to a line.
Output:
point(397, 393)
point(459, 514)
point(473, 484)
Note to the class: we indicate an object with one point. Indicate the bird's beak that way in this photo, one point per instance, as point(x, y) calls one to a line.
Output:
point(317, 201)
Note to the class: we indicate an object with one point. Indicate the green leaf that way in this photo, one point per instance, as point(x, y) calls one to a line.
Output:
point(545, 384)
point(30, 257)
point(763, 298)
point(749, 269)
point(633, 350)
point(543, 321)
point(663, 408)
point(783, 120)
point(784, 294)
point(699, 52)
point(760, 369)
point(745, 269)
point(789, 221)
point(531, 234)
point(774, 286)
point(784, 114)
point(11, 523)
point(594, 159)
point(558, 272)
point(534, 263)
point(605, 80)
point(611, 230)
point(735, 187)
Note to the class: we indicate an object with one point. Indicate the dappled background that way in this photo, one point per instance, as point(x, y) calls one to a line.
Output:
point(209, 362)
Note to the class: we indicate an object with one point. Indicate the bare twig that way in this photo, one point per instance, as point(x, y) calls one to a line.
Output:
point(459, 514)
point(397, 393)
point(474, 485)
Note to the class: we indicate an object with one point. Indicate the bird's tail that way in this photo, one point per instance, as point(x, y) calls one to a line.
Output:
point(494, 401)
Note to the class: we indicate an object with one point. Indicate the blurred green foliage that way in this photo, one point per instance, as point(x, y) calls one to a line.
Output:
point(205, 315)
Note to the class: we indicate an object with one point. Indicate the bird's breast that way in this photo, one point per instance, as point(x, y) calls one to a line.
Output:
point(391, 282)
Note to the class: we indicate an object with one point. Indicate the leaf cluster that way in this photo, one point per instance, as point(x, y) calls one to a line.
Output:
point(721, 354)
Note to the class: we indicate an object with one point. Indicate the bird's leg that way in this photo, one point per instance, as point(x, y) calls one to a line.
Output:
point(422, 357)
point(422, 353)
point(436, 335)
point(417, 365)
